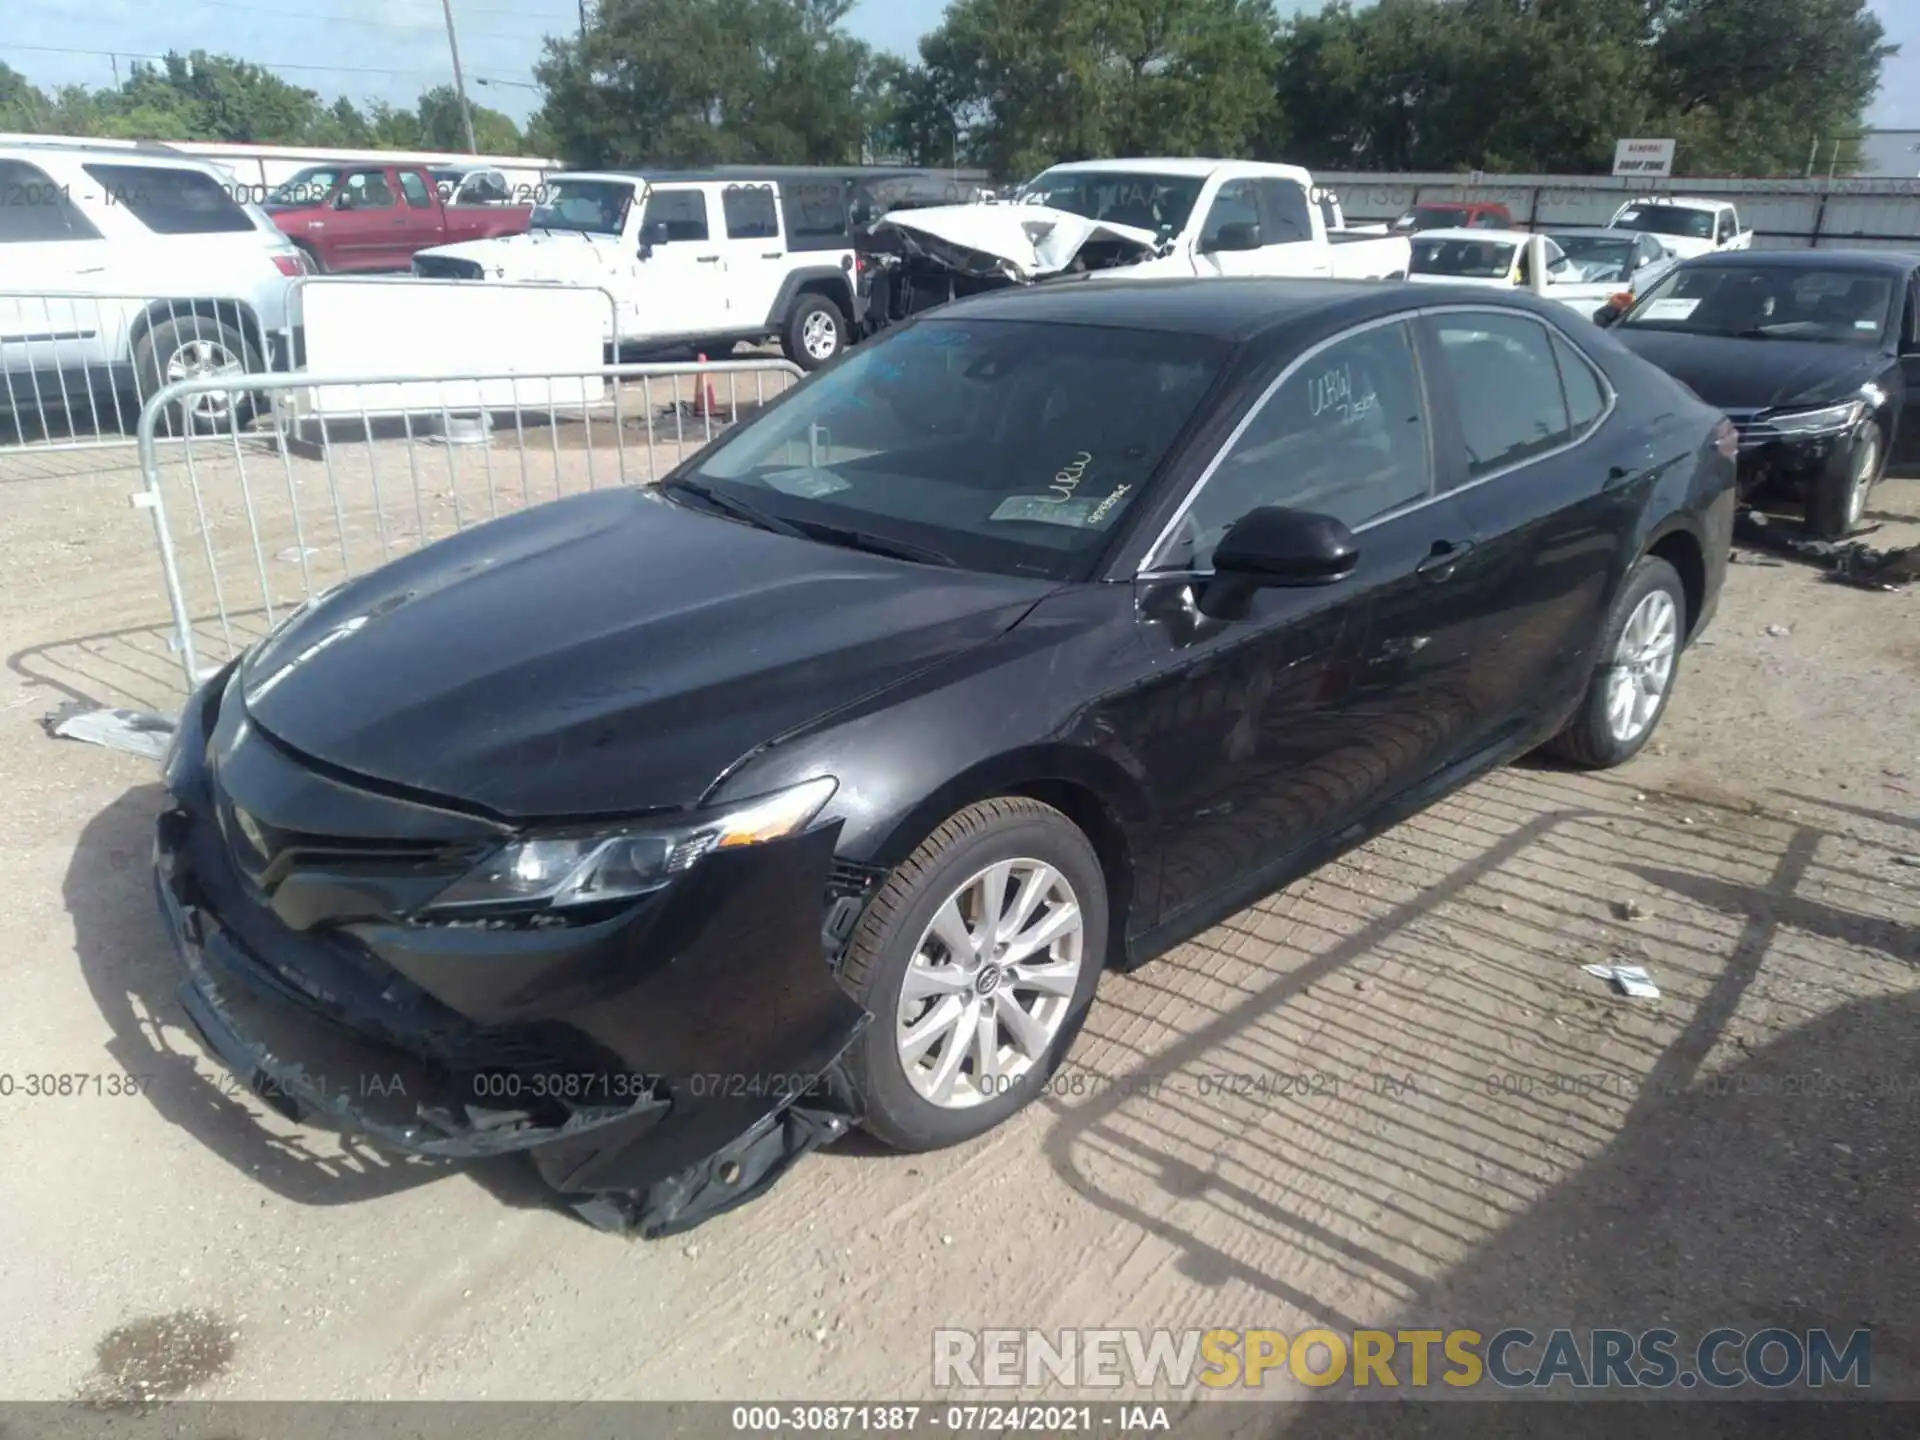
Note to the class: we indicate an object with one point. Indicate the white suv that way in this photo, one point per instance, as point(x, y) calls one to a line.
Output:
point(702, 259)
point(121, 270)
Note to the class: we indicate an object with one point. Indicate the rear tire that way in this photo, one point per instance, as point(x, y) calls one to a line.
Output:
point(194, 345)
point(816, 332)
point(963, 991)
point(1839, 504)
point(1639, 646)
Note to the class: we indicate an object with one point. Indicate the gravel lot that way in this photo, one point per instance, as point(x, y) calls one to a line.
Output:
point(1489, 1136)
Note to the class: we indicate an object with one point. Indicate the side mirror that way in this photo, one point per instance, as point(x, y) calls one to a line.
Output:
point(651, 234)
point(1607, 315)
point(1272, 547)
point(1238, 235)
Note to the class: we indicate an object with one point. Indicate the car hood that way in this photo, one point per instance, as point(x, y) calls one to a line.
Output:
point(610, 653)
point(1734, 374)
point(1022, 242)
point(535, 254)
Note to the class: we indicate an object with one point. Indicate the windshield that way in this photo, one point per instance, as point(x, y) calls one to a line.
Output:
point(305, 187)
point(1472, 259)
point(1005, 446)
point(1841, 307)
point(1666, 220)
point(1598, 259)
point(593, 207)
point(1147, 202)
point(1432, 217)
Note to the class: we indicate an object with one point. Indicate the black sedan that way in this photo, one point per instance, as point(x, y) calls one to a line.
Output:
point(1814, 354)
point(667, 833)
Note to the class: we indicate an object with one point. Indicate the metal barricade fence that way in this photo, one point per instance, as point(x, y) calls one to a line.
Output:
point(75, 364)
point(251, 524)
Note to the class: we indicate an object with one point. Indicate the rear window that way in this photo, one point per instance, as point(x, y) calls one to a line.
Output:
point(172, 202)
point(34, 208)
point(1468, 259)
point(817, 214)
point(1008, 446)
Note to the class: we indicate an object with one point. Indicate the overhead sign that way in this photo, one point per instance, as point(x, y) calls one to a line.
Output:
point(1643, 157)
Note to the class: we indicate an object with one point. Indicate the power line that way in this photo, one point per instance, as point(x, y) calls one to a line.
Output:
point(351, 21)
point(262, 64)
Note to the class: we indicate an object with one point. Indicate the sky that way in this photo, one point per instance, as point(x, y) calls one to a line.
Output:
point(394, 49)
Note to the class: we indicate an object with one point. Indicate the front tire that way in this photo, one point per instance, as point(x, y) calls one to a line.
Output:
point(816, 332)
point(978, 959)
point(194, 346)
point(1839, 503)
point(1640, 661)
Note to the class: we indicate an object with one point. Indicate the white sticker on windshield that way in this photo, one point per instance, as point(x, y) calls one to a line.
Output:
point(1866, 324)
point(807, 484)
point(1669, 310)
point(1049, 510)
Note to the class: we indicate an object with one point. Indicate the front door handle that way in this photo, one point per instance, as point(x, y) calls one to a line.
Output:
point(770, 255)
point(709, 259)
point(1444, 559)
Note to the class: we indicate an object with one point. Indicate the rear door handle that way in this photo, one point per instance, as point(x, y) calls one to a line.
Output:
point(1444, 559)
point(770, 255)
point(709, 259)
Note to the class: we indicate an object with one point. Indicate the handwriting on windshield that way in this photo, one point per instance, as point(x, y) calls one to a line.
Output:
point(1331, 392)
point(1068, 478)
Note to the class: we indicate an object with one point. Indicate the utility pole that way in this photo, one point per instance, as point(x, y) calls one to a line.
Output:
point(583, 22)
point(459, 81)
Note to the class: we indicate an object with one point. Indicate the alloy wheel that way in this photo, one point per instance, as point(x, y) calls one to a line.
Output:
point(819, 335)
point(990, 983)
point(1866, 468)
point(198, 359)
point(1642, 666)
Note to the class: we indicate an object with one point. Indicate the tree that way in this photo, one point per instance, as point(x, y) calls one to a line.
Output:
point(442, 128)
point(687, 82)
point(1020, 84)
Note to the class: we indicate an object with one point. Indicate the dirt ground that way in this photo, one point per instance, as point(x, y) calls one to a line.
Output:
point(1450, 1121)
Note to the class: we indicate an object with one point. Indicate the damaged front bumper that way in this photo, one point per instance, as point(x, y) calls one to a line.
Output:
point(658, 1066)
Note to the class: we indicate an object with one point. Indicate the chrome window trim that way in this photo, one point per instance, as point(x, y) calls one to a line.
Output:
point(1149, 570)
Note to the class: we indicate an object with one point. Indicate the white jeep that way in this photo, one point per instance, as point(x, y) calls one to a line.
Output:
point(699, 260)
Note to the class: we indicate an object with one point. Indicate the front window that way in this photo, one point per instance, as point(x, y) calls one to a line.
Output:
point(1836, 306)
point(1004, 446)
point(1465, 259)
point(1147, 202)
point(310, 186)
point(593, 207)
point(1667, 220)
point(1600, 259)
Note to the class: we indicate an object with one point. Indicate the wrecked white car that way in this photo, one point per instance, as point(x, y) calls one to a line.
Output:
point(1152, 217)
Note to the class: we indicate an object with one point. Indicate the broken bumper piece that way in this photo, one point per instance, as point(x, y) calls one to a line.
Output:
point(657, 1069)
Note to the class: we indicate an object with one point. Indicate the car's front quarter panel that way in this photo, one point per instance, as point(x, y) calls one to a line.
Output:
point(1017, 713)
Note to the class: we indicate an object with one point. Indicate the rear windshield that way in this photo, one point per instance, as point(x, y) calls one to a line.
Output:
point(1667, 220)
point(172, 202)
point(1763, 302)
point(1434, 217)
point(1471, 259)
point(1599, 259)
point(1147, 202)
point(1005, 446)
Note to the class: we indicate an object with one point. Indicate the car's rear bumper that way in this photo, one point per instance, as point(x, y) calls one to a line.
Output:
point(657, 1069)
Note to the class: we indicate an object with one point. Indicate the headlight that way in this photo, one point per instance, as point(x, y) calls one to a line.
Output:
point(1827, 420)
point(561, 870)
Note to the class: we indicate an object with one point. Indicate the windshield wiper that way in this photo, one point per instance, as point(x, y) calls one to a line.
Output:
point(875, 544)
point(738, 509)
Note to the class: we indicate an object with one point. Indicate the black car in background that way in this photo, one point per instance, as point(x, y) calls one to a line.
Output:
point(666, 833)
point(1813, 354)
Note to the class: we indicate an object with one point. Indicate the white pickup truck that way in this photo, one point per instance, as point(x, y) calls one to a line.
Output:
point(1152, 217)
point(1685, 225)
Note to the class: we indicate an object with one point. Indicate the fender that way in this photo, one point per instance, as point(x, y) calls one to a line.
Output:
point(839, 277)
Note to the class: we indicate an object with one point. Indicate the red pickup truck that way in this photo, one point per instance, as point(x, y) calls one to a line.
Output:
point(357, 217)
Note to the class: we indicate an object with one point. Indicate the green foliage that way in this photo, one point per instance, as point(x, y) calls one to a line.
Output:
point(687, 82)
point(218, 98)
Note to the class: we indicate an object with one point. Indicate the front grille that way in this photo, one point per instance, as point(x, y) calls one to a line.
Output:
point(446, 267)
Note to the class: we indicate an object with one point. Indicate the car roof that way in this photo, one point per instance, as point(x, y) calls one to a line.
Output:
point(716, 173)
point(1185, 166)
point(1225, 308)
point(1452, 232)
point(1889, 262)
point(1689, 202)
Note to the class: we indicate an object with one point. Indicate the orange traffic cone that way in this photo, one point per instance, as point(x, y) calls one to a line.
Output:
point(705, 402)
